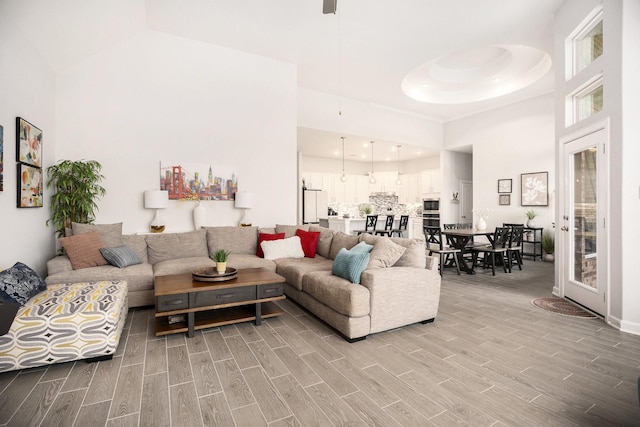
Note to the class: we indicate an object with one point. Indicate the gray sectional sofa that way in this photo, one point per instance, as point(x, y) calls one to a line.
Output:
point(400, 285)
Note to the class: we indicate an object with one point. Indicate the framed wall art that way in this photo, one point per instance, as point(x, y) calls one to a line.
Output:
point(534, 189)
point(198, 181)
point(504, 199)
point(28, 143)
point(29, 186)
point(504, 186)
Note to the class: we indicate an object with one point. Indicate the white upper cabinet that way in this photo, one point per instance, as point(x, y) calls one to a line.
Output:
point(431, 182)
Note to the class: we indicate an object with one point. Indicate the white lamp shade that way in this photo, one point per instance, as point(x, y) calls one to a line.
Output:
point(244, 200)
point(156, 199)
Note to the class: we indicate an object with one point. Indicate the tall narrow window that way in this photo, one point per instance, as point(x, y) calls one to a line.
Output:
point(587, 44)
point(588, 101)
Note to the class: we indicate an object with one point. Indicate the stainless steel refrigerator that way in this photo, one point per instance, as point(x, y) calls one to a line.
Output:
point(314, 206)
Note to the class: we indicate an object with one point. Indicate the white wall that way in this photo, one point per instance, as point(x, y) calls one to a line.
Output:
point(456, 167)
point(618, 65)
point(27, 86)
point(159, 97)
point(506, 143)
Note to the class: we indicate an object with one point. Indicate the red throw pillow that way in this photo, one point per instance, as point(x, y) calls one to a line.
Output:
point(266, 236)
point(309, 240)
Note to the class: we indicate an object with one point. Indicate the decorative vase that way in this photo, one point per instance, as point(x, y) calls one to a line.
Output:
point(221, 267)
point(481, 224)
point(531, 223)
point(549, 257)
point(199, 216)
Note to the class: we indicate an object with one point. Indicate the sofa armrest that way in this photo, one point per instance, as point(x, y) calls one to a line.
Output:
point(58, 264)
point(401, 296)
point(432, 263)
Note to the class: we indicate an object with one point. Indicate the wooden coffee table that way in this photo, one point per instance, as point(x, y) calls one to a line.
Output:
point(186, 305)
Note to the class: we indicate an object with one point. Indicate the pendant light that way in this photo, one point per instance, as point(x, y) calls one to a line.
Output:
point(398, 182)
point(343, 178)
point(372, 179)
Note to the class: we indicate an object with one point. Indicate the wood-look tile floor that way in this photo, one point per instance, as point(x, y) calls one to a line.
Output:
point(489, 359)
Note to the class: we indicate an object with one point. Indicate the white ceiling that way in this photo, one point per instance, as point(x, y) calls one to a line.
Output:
point(363, 52)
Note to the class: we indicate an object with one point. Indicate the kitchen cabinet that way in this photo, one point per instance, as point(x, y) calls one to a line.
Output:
point(362, 193)
point(431, 181)
point(415, 228)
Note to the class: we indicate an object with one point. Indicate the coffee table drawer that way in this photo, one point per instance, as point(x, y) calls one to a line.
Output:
point(222, 296)
point(270, 290)
point(172, 302)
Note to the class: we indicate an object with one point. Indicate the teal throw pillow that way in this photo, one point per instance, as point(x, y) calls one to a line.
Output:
point(350, 265)
point(362, 248)
point(120, 256)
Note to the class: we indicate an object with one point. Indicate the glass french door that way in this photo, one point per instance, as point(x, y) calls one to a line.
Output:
point(584, 222)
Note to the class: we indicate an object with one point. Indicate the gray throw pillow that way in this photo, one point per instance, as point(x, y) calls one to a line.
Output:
point(120, 256)
point(19, 283)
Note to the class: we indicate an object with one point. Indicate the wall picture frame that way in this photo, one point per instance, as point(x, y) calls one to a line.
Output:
point(1, 158)
point(534, 189)
point(28, 143)
point(504, 199)
point(504, 186)
point(29, 186)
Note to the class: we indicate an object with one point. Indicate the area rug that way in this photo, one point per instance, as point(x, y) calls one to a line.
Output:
point(562, 306)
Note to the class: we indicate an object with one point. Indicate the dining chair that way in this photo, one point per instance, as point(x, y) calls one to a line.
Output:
point(402, 227)
point(514, 250)
point(369, 225)
point(499, 246)
point(388, 227)
point(433, 237)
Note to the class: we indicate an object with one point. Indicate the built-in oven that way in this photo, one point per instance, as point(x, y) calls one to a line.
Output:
point(431, 212)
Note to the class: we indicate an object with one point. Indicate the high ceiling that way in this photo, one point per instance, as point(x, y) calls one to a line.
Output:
point(363, 52)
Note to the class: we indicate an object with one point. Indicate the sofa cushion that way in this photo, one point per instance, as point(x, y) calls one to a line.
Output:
point(290, 230)
point(171, 246)
point(268, 237)
point(238, 240)
point(362, 248)
point(414, 255)
point(324, 242)
point(285, 248)
point(19, 283)
point(339, 294)
point(341, 240)
point(181, 265)
point(385, 253)
point(139, 277)
point(120, 256)
point(309, 241)
point(293, 270)
point(350, 265)
point(250, 261)
point(84, 250)
point(137, 243)
point(111, 234)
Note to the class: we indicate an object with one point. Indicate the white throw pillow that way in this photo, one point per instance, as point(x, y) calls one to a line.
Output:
point(284, 248)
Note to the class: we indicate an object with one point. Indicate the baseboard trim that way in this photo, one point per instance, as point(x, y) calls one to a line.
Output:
point(629, 327)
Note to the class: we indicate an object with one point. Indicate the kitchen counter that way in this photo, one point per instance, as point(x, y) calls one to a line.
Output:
point(348, 225)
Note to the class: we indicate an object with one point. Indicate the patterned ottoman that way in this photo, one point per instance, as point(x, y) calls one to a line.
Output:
point(66, 322)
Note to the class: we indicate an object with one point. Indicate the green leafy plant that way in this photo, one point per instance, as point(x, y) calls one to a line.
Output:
point(548, 243)
point(366, 209)
point(531, 214)
point(77, 189)
point(220, 255)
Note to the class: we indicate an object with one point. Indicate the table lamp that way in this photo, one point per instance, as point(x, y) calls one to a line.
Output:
point(156, 199)
point(244, 200)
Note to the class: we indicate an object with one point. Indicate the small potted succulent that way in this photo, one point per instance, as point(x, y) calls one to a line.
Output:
point(220, 257)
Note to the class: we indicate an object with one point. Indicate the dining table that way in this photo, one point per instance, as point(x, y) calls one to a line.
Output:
point(460, 238)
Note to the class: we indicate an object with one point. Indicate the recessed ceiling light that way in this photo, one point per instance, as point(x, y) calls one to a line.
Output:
point(496, 79)
point(335, 153)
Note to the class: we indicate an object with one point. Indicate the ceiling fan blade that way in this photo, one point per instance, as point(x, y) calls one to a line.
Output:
point(329, 6)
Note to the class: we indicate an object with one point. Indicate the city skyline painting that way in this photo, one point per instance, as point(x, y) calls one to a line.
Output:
point(198, 181)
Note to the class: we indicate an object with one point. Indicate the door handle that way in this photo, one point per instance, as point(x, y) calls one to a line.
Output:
point(564, 228)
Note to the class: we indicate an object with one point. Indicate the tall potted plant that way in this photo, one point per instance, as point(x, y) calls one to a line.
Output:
point(548, 245)
point(77, 189)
